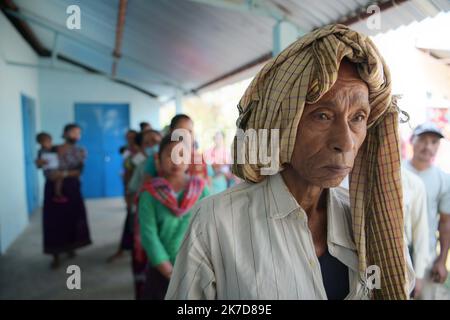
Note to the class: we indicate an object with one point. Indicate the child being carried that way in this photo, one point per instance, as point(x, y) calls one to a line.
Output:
point(48, 160)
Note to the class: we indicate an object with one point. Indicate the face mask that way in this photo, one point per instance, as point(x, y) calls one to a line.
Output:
point(150, 151)
point(71, 140)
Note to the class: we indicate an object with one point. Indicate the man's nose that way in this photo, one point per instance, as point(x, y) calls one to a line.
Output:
point(341, 138)
point(429, 144)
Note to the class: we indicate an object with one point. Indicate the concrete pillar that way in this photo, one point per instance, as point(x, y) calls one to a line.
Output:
point(284, 33)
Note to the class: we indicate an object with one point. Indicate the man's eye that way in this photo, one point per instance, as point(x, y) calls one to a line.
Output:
point(322, 116)
point(359, 118)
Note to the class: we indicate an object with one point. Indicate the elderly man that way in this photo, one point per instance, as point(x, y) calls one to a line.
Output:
point(294, 235)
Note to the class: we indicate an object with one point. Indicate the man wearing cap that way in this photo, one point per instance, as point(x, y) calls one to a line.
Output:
point(426, 139)
point(294, 234)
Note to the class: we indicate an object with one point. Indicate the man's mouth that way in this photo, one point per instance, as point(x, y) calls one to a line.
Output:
point(427, 153)
point(338, 169)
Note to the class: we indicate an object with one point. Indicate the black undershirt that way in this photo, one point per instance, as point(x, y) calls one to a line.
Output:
point(335, 277)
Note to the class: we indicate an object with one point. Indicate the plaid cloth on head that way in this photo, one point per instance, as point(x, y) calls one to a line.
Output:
point(302, 74)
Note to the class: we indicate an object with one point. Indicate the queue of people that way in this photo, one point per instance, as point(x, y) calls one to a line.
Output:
point(159, 195)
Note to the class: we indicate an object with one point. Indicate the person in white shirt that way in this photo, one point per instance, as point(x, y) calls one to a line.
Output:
point(426, 139)
point(416, 225)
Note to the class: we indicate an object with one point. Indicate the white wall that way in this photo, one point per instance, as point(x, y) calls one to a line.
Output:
point(415, 74)
point(60, 90)
point(13, 82)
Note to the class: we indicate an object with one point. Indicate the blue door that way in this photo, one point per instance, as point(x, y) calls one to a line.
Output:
point(103, 133)
point(29, 146)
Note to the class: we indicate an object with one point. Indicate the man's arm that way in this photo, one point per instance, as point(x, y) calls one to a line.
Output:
point(439, 272)
point(420, 233)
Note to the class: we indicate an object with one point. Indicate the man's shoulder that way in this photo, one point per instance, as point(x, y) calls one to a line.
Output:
point(238, 192)
point(221, 205)
point(411, 180)
point(435, 169)
point(440, 179)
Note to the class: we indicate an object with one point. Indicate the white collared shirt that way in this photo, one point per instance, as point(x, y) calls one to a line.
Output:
point(253, 242)
point(437, 185)
point(416, 221)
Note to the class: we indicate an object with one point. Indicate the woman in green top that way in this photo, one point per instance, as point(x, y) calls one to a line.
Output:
point(145, 143)
point(164, 213)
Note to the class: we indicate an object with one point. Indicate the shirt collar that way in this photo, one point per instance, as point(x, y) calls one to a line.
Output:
point(339, 221)
point(284, 202)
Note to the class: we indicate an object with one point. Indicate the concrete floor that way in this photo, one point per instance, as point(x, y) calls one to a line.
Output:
point(25, 271)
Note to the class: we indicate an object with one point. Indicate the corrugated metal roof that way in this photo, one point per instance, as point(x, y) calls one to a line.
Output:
point(191, 42)
point(404, 14)
point(312, 14)
point(187, 44)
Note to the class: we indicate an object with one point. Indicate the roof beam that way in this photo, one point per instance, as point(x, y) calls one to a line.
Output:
point(13, 13)
point(262, 59)
point(117, 53)
point(429, 51)
point(25, 17)
point(8, 6)
point(86, 70)
point(55, 48)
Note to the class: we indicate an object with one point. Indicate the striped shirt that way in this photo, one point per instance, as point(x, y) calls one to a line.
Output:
point(253, 242)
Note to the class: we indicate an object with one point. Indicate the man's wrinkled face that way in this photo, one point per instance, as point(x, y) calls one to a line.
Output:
point(332, 130)
point(425, 146)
